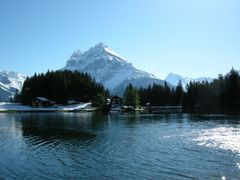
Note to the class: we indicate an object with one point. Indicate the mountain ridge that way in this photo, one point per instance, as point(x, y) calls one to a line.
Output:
point(174, 79)
point(10, 82)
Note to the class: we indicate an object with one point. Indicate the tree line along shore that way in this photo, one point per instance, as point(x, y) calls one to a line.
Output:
point(221, 95)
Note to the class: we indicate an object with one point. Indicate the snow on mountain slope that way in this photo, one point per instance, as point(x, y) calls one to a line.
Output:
point(175, 78)
point(10, 82)
point(109, 69)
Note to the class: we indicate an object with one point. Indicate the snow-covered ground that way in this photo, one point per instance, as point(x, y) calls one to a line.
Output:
point(5, 106)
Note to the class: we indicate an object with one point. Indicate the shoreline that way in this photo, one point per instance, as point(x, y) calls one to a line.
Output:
point(6, 107)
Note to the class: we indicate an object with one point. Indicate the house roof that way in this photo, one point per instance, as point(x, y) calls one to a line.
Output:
point(113, 97)
point(42, 99)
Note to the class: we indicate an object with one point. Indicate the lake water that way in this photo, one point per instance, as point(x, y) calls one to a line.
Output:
point(119, 146)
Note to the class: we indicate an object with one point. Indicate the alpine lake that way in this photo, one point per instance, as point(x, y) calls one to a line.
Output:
point(90, 145)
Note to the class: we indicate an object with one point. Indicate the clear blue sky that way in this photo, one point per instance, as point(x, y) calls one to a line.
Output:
point(190, 37)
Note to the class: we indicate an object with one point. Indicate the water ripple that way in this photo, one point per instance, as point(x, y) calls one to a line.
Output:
point(121, 147)
point(227, 138)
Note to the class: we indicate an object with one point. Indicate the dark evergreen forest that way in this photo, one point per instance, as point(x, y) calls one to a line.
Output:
point(61, 86)
point(221, 95)
point(158, 95)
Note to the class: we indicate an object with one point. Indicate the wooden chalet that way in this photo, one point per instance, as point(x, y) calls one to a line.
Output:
point(116, 101)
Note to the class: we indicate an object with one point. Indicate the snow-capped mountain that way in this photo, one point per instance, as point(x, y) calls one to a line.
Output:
point(10, 82)
point(110, 69)
point(175, 78)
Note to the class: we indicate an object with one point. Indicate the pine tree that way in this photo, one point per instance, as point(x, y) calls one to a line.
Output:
point(179, 94)
point(131, 96)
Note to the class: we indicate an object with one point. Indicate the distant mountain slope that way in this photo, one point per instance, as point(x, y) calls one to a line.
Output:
point(10, 82)
point(175, 78)
point(110, 69)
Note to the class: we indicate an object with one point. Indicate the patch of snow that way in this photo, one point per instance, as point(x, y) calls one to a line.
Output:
point(113, 53)
point(117, 78)
point(5, 106)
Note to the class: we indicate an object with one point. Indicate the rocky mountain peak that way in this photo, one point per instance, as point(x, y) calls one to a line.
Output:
point(110, 69)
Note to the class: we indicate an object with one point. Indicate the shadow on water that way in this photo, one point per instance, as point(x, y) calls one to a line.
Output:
point(63, 134)
point(60, 126)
